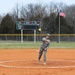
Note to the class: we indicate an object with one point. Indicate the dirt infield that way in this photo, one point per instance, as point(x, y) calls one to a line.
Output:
point(24, 62)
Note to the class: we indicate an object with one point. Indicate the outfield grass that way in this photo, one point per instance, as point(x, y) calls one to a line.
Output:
point(11, 44)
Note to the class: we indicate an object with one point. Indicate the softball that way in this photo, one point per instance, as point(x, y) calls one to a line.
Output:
point(39, 29)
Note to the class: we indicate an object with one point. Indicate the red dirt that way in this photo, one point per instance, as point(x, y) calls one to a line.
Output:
point(24, 62)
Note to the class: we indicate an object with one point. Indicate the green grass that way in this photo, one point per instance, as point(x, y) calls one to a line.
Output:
point(12, 44)
point(63, 45)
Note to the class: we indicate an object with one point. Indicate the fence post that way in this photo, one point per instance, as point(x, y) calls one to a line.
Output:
point(34, 35)
point(6, 37)
point(21, 35)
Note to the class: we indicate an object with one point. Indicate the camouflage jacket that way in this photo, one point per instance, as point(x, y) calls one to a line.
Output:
point(45, 43)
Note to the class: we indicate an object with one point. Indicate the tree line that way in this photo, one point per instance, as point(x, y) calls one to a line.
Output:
point(47, 14)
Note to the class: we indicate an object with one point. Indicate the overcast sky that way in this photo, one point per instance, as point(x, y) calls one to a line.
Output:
point(8, 5)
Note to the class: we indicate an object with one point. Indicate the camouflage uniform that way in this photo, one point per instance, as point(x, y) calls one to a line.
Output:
point(43, 48)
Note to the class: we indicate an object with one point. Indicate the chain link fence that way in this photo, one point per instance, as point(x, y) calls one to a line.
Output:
point(30, 37)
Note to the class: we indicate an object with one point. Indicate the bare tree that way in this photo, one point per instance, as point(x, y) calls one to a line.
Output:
point(70, 15)
point(1, 18)
point(15, 13)
point(33, 11)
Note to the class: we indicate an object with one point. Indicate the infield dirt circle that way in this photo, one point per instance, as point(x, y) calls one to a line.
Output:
point(24, 62)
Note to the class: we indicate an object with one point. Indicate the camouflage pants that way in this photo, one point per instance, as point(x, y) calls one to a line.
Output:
point(41, 52)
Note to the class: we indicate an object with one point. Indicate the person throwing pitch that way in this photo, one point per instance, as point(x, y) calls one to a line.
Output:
point(44, 48)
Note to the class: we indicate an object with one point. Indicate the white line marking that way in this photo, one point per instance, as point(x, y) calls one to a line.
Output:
point(61, 60)
point(12, 61)
point(31, 67)
point(36, 60)
point(40, 67)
